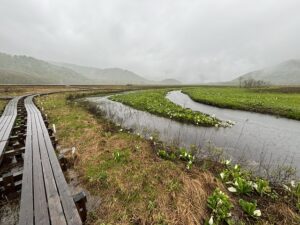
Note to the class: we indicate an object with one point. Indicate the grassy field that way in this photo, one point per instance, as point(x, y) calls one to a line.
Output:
point(2, 105)
point(142, 182)
point(154, 101)
point(134, 184)
point(283, 102)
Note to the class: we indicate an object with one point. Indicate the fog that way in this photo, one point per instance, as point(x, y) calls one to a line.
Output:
point(192, 41)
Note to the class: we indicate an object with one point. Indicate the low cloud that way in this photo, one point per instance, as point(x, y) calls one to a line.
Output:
point(193, 41)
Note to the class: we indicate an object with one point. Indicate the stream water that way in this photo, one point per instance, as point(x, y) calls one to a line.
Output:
point(257, 139)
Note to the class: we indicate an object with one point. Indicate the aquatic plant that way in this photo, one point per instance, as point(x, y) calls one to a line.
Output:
point(220, 205)
point(262, 186)
point(250, 208)
point(154, 101)
point(263, 100)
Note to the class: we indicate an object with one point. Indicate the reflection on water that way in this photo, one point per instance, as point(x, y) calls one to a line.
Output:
point(255, 137)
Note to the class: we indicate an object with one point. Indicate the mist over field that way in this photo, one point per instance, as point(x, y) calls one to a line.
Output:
point(191, 41)
point(150, 112)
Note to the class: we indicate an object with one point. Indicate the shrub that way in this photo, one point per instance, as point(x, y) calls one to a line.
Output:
point(220, 205)
point(250, 208)
point(262, 186)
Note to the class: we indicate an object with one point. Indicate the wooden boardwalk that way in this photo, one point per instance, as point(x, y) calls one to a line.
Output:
point(45, 196)
point(7, 122)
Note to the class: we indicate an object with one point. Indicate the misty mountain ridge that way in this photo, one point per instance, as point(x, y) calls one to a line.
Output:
point(15, 69)
point(285, 73)
point(28, 70)
point(106, 76)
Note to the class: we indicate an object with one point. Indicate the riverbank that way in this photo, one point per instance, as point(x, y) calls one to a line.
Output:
point(154, 101)
point(284, 102)
point(141, 183)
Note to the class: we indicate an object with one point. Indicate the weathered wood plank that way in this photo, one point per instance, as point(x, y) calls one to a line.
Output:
point(7, 122)
point(43, 178)
point(55, 208)
point(26, 216)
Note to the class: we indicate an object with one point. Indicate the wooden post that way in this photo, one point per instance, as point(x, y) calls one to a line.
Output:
point(80, 202)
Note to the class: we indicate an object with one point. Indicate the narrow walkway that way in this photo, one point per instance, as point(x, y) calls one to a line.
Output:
point(7, 122)
point(45, 197)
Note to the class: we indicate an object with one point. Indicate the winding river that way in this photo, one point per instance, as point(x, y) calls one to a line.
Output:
point(257, 139)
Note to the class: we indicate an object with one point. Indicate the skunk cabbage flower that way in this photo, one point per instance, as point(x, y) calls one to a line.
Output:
point(257, 212)
point(211, 220)
point(232, 189)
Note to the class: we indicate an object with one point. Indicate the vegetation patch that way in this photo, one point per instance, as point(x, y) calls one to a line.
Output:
point(2, 106)
point(136, 186)
point(144, 182)
point(283, 102)
point(155, 102)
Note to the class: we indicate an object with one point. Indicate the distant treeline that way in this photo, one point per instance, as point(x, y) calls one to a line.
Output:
point(252, 83)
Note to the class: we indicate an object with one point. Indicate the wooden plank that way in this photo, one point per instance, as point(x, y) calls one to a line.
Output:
point(57, 216)
point(69, 206)
point(6, 124)
point(26, 215)
point(40, 206)
point(8, 117)
point(41, 214)
point(44, 186)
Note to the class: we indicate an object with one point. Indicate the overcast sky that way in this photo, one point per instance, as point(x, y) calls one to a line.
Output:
point(190, 40)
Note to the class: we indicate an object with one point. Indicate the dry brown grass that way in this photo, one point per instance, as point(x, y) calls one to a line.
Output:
point(142, 188)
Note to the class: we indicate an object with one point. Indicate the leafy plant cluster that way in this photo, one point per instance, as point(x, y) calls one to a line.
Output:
point(240, 182)
point(181, 154)
point(294, 191)
point(264, 100)
point(154, 101)
point(220, 205)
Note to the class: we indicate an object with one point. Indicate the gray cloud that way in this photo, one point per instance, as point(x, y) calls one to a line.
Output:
point(193, 41)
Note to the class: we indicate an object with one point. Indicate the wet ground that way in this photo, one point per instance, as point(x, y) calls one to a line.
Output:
point(256, 138)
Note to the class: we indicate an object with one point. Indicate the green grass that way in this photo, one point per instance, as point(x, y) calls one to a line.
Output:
point(2, 105)
point(155, 102)
point(268, 100)
point(138, 187)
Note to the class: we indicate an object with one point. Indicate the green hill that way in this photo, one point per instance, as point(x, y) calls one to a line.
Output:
point(15, 69)
point(107, 76)
point(286, 73)
point(28, 70)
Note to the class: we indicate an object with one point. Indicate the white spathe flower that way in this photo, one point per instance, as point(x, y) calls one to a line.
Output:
point(286, 187)
point(73, 150)
point(236, 166)
point(227, 162)
point(232, 189)
point(293, 183)
point(151, 138)
point(257, 212)
point(222, 175)
point(211, 220)
point(254, 185)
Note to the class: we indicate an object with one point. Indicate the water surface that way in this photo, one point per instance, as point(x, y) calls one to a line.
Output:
point(258, 138)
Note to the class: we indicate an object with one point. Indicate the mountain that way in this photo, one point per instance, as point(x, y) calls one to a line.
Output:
point(286, 73)
point(170, 82)
point(106, 76)
point(15, 69)
point(28, 70)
